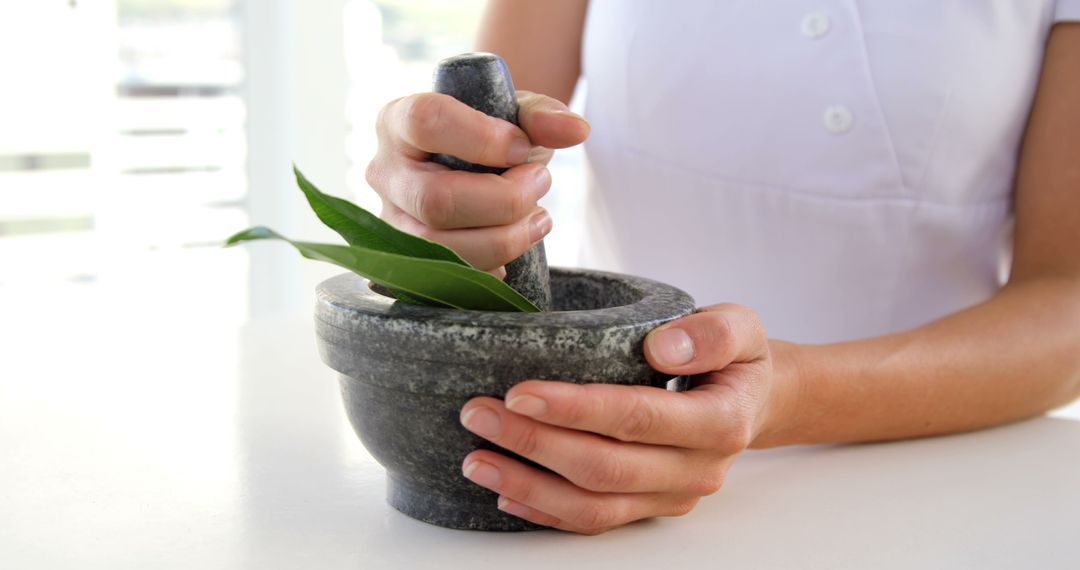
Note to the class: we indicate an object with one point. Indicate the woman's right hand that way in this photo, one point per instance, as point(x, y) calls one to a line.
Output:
point(488, 219)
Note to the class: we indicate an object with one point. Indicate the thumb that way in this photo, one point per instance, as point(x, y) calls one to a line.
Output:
point(708, 340)
point(548, 122)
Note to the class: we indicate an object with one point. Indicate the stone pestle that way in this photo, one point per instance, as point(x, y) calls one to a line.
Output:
point(482, 81)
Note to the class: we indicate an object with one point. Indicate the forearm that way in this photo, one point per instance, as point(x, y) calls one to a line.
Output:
point(1014, 356)
point(540, 41)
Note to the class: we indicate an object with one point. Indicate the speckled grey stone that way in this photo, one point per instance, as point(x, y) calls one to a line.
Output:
point(407, 370)
point(482, 81)
point(528, 275)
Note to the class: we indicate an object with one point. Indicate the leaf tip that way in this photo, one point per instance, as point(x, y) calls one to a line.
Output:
point(254, 233)
point(300, 178)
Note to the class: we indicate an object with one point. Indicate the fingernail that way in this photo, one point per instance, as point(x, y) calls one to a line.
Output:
point(481, 421)
point(543, 176)
point(510, 507)
point(566, 113)
point(527, 405)
point(541, 183)
point(539, 225)
point(538, 154)
point(580, 119)
point(482, 473)
point(519, 151)
point(671, 347)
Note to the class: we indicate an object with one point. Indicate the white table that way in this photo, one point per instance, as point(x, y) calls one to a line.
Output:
point(231, 450)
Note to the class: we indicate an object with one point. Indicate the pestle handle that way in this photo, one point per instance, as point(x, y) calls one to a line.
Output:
point(482, 81)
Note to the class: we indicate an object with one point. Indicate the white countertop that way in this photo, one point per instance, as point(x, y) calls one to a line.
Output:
point(231, 450)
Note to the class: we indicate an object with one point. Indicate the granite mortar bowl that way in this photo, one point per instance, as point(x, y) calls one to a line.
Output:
point(406, 371)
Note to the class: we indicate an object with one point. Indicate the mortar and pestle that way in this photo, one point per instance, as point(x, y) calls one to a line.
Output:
point(407, 370)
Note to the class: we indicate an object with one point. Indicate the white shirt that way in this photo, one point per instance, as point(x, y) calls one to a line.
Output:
point(843, 167)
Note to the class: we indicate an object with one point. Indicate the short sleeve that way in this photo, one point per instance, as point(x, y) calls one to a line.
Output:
point(1067, 11)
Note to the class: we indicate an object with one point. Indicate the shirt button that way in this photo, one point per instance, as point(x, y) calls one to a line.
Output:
point(815, 25)
point(838, 119)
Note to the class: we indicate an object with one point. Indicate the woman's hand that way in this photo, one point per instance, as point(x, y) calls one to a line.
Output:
point(488, 219)
point(623, 453)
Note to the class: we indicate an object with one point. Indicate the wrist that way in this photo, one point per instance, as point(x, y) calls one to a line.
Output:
point(781, 410)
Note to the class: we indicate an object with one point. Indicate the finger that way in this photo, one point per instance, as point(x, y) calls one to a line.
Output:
point(528, 513)
point(587, 460)
point(553, 501)
point(450, 199)
point(548, 122)
point(707, 340)
point(484, 248)
point(704, 418)
point(499, 272)
point(541, 155)
point(436, 123)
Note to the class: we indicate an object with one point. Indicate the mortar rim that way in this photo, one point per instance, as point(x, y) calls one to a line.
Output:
point(347, 296)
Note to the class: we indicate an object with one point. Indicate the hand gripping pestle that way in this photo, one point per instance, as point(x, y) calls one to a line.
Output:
point(482, 81)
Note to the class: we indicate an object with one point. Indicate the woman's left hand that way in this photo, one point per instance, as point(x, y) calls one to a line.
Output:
point(623, 453)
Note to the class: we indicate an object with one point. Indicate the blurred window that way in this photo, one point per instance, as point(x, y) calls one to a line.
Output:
point(121, 148)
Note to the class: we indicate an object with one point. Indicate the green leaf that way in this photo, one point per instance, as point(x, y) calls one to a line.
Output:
point(433, 281)
point(360, 227)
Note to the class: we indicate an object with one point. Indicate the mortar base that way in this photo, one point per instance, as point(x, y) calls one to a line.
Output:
point(425, 504)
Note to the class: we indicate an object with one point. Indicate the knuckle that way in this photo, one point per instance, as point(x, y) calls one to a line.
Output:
point(505, 248)
point(723, 313)
point(721, 307)
point(516, 205)
point(522, 239)
point(527, 441)
point(433, 205)
point(752, 321)
point(723, 335)
point(736, 439)
point(490, 143)
point(391, 216)
point(522, 491)
point(386, 175)
point(722, 327)
point(683, 507)
point(578, 409)
point(373, 173)
point(423, 115)
point(707, 484)
point(381, 117)
point(755, 321)
point(744, 436)
point(595, 517)
point(606, 472)
point(419, 230)
point(639, 421)
point(382, 120)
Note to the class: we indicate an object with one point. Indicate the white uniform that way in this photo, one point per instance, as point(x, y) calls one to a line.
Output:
point(843, 167)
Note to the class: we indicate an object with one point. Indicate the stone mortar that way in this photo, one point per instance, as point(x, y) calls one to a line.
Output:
point(407, 370)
